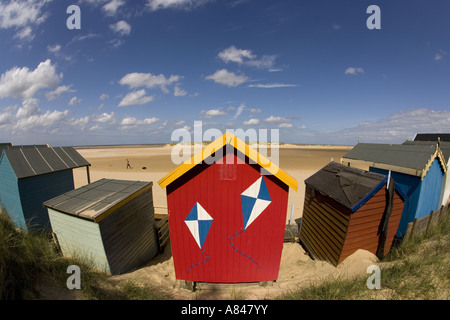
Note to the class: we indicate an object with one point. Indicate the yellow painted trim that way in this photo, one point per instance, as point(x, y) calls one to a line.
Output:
point(239, 145)
point(103, 215)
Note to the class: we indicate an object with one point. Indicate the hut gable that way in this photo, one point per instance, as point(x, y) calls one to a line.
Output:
point(228, 139)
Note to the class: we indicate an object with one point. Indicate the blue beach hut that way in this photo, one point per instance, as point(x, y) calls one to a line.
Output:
point(30, 175)
point(418, 169)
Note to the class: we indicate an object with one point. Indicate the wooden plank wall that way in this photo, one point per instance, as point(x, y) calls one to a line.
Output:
point(323, 228)
point(362, 231)
point(129, 236)
point(79, 238)
point(422, 225)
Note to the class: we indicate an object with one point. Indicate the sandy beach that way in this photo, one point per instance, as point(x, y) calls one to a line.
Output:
point(151, 163)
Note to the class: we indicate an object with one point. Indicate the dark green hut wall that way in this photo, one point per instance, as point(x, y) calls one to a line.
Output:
point(129, 236)
point(9, 193)
point(36, 190)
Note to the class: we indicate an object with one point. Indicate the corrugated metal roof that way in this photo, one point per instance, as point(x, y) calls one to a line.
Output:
point(347, 186)
point(97, 200)
point(412, 159)
point(28, 161)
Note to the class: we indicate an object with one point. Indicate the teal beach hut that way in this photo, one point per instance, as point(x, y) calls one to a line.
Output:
point(30, 175)
point(109, 223)
point(418, 169)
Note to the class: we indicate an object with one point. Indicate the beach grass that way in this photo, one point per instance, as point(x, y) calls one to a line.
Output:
point(32, 268)
point(415, 270)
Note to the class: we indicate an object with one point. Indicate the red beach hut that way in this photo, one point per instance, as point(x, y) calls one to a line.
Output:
point(227, 210)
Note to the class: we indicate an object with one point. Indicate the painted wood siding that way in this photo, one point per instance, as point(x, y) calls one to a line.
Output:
point(34, 191)
point(129, 235)
point(228, 254)
point(79, 238)
point(362, 232)
point(324, 226)
point(9, 193)
point(423, 195)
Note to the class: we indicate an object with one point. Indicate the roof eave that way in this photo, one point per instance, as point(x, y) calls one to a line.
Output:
point(229, 139)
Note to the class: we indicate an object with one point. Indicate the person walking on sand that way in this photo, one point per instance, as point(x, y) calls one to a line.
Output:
point(128, 164)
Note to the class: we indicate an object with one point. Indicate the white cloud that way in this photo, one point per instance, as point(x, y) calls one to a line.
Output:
point(25, 34)
point(255, 110)
point(233, 54)
point(137, 97)
point(440, 55)
point(148, 80)
point(178, 92)
point(74, 101)
point(245, 56)
point(104, 96)
point(21, 15)
point(354, 71)
point(132, 122)
point(111, 7)
point(251, 122)
point(29, 108)
point(58, 91)
point(271, 85)
point(47, 119)
point(285, 125)
point(178, 4)
point(394, 128)
point(239, 110)
point(121, 27)
point(105, 118)
point(229, 79)
point(54, 49)
point(273, 119)
point(213, 113)
point(22, 83)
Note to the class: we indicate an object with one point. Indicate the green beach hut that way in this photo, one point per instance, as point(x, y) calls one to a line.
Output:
point(109, 222)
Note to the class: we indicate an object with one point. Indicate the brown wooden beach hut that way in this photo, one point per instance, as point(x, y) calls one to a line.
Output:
point(347, 209)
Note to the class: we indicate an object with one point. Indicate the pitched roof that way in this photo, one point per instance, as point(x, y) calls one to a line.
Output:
point(443, 145)
point(348, 186)
point(432, 137)
point(37, 160)
point(229, 139)
point(412, 159)
point(97, 200)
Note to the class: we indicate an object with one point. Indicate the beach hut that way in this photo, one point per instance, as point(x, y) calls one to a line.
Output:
point(109, 222)
point(347, 209)
point(432, 137)
point(418, 169)
point(445, 148)
point(227, 213)
point(30, 175)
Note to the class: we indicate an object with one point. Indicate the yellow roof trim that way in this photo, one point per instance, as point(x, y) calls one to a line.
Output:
point(228, 138)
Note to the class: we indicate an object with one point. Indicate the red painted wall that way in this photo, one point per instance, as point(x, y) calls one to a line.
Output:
point(228, 254)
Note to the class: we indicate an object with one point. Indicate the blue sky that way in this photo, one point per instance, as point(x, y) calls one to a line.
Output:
point(138, 70)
